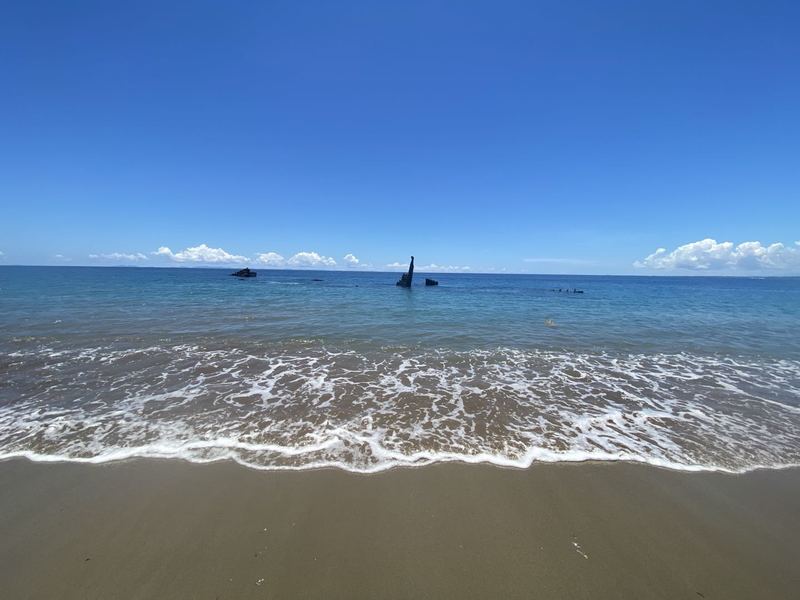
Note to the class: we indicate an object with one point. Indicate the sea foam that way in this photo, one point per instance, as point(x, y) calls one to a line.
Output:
point(302, 406)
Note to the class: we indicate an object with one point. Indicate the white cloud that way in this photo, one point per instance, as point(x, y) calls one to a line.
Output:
point(271, 259)
point(62, 257)
point(430, 268)
point(351, 260)
point(120, 256)
point(442, 268)
point(311, 259)
point(710, 255)
point(201, 254)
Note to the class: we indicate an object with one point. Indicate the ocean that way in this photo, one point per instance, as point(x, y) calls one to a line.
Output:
point(309, 369)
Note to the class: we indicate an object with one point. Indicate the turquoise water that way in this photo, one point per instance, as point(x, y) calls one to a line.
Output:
point(636, 314)
point(298, 369)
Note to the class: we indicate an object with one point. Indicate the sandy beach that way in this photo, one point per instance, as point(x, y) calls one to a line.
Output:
point(169, 529)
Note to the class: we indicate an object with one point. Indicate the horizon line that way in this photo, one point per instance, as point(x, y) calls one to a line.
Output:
point(221, 268)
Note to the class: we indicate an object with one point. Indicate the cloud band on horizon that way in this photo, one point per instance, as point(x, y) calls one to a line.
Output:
point(710, 255)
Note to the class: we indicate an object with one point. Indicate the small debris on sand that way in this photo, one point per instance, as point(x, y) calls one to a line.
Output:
point(578, 548)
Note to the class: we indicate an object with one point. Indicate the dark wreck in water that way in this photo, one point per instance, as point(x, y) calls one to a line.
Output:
point(246, 272)
point(405, 279)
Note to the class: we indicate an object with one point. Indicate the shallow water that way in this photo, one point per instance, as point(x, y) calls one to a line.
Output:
point(284, 371)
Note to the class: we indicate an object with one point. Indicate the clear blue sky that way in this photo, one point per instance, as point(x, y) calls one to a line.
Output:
point(573, 137)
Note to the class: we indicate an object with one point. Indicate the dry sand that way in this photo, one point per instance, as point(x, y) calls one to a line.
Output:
point(167, 529)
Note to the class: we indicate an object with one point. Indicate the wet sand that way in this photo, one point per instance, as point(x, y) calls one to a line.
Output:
point(168, 529)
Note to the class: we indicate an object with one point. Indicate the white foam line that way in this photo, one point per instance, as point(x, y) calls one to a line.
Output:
point(410, 461)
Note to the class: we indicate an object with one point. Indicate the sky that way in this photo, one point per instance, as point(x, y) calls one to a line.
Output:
point(543, 137)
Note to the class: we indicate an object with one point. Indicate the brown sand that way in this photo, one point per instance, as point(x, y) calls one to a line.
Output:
point(167, 529)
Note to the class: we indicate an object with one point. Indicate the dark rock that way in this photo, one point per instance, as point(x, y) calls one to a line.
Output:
point(246, 272)
point(405, 279)
point(429, 281)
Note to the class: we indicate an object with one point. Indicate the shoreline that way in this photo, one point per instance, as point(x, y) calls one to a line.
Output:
point(480, 461)
point(144, 528)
